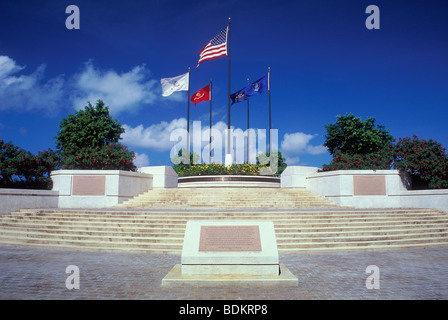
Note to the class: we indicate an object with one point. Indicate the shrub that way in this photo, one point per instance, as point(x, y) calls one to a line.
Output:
point(424, 160)
point(219, 169)
point(381, 160)
point(109, 157)
point(21, 169)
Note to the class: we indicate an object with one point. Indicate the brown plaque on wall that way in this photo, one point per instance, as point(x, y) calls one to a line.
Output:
point(369, 185)
point(230, 238)
point(89, 185)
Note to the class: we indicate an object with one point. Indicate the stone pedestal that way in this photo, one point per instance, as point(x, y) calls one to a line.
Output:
point(219, 253)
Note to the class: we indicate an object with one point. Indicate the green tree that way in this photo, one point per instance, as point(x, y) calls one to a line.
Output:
point(425, 160)
point(357, 144)
point(88, 128)
point(89, 139)
point(352, 136)
point(21, 169)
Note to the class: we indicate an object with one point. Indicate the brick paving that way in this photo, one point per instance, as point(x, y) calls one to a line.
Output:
point(39, 274)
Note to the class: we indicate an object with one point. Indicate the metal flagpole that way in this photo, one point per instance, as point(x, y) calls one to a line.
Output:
point(248, 127)
point(229, 159)
point(188, 120)
point(269, 90)
point(210, 121)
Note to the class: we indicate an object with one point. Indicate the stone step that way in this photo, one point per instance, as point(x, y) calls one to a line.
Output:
point(284, 213)
point(373, 219)
point(161, 231)
point(299, 236)
point(174, 248)
point(227, 198)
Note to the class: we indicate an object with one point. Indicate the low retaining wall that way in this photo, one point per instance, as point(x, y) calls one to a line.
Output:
point(229, 181)
point(98, 188)
point(15, 199)
point(163, 176)
point(365, 188)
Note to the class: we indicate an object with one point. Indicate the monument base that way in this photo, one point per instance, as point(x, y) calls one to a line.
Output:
point(229, 252)
point(175, 278)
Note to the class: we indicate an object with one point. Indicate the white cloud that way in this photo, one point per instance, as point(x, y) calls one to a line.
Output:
point(299, 143)
point(28, 92)
point(121, 92)
point(156, 136)
point(141, 160)
point(292, 161)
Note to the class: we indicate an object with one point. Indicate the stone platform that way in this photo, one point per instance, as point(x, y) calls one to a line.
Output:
point(221, 181)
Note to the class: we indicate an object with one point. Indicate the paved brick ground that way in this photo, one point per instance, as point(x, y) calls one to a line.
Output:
point(30, 273)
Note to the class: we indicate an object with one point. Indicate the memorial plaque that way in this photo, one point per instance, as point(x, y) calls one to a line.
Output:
point(230, 238)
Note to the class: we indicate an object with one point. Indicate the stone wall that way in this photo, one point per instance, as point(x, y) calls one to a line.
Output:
point(364, 188)
point(98, 188)
point(15, 199)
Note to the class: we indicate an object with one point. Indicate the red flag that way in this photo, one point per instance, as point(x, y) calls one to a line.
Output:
point(201, 95)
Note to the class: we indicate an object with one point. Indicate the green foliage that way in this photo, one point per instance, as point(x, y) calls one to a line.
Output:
point(372, 161)
point(110, 157)
point(89, 128)
point(356, 144)
point(219, 169)
point(181, 163)
point(89, 140)
point(21, 169)
point(196, 169)
point(352, 137)
point(277, 163)
point(425, 159)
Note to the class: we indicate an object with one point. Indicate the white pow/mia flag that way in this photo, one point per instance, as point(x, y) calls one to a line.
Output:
point(179, 83)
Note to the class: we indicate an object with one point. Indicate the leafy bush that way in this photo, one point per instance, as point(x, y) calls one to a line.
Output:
point(90, 127)
point(88, 140)
point(110, 157)
point(278, 163)
point(424, 160)
point(351, 136)
point(219, 169)
point(381, 160)
point(21, 169)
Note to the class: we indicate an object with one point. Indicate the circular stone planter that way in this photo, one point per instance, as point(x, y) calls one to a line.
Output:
point(228, 181)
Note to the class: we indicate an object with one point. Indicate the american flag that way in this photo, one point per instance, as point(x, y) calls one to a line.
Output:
point(217, 47)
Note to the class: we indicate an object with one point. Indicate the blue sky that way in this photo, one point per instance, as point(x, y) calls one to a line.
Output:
point(324, 62)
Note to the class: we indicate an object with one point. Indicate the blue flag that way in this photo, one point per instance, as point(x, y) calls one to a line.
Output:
point(257, 87)
point(239, 96)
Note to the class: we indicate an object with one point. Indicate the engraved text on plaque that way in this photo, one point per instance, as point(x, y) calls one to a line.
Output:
point(230, 238)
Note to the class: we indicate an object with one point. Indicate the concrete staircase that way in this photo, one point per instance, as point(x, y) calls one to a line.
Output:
point(228, 198)
point(162, 230)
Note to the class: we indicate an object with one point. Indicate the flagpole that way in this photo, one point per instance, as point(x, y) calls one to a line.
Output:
point(210, 121)
point(269, 90)
point(229, 159)
point(188, 119)
point(248, 127)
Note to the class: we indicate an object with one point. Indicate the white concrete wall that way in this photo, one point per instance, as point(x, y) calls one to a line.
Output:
point(338, 186)
point(295, 176)
point(119, 186)
point(15, 199)
point(163, 176)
